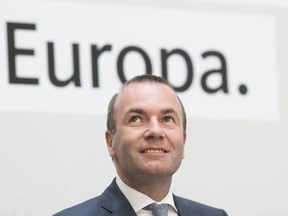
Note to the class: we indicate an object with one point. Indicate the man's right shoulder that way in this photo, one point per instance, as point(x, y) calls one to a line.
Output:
point(87, 208)
point(103, 205)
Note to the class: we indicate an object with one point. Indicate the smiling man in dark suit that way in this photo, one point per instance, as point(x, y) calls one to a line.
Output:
point(146, 134)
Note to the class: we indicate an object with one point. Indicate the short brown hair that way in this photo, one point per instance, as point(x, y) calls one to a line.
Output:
point(111, 126)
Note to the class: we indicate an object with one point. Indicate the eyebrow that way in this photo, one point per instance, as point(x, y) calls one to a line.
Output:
point(142, 112)
point(169, 110)
point(136, 110)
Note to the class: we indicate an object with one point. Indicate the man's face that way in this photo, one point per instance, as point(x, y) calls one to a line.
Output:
point(149, 139)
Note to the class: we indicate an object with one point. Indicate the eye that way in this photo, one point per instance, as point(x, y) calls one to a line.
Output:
point(135, 119)
point(168, 119)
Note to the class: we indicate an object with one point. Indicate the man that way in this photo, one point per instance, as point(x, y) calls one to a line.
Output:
point(146, 134)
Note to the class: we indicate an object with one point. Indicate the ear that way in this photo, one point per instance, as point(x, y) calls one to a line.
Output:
point(109, 142)
point(184, 137)
point(184, 142)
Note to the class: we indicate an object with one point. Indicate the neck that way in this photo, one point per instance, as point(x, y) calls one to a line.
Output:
point(154, 187)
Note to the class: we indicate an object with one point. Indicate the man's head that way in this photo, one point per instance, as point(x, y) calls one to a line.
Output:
point(111, 126)
point(146, 130)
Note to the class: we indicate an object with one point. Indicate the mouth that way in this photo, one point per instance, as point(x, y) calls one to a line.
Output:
point(154, 151)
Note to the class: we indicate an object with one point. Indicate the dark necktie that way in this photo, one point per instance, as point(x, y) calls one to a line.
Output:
point(158, 210)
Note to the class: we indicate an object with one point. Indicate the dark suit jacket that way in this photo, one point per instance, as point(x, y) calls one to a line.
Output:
point(113, 201)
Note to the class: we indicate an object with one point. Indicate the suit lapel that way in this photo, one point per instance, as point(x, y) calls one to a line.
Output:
point(181, 207)
point(114, 201)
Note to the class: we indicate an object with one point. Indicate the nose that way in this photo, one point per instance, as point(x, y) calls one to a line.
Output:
point(154, 130)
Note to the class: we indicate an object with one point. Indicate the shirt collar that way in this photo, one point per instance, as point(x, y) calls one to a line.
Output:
point(139, 200)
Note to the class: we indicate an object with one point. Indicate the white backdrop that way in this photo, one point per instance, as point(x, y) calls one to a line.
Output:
point(53, 153)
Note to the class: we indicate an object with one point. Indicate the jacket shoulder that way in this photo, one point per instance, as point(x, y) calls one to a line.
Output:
point(112, 200)
point(190, 207)
point(88, 208)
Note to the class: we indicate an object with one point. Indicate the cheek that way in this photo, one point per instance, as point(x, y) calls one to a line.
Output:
point(126, 143)
point(120, 148)
point(178, 146)
point(176, 139)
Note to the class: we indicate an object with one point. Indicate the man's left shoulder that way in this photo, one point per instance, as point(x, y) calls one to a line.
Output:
point(186, 207)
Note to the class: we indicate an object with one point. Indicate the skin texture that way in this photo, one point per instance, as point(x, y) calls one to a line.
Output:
point(148, 145)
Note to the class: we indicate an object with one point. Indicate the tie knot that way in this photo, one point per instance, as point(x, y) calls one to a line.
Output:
point(158, 210)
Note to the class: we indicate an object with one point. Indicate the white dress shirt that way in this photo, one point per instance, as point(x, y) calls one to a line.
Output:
point(139, 200)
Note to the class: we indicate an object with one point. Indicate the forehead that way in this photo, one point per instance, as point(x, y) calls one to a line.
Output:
point(147, 95)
